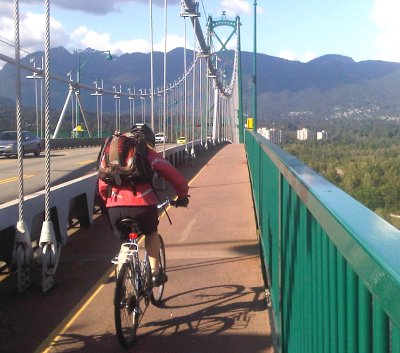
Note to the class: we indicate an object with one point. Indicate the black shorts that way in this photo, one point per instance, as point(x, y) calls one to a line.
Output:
point(145, 216)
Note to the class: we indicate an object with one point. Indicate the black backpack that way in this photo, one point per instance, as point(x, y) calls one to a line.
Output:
point(123, 160)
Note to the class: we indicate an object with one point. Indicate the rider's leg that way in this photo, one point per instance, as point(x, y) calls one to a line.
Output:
point(152, 244)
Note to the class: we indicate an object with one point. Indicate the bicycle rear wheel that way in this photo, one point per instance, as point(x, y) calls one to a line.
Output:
point(157, 292)
point(126, 305)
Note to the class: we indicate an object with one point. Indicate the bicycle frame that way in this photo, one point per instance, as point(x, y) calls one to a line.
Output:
point(134, 287)
point(139, 267)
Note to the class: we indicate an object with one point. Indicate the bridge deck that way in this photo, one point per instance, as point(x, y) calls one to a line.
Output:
point(214, 299)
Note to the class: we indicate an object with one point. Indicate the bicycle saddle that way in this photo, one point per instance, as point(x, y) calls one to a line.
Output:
point(126, 222)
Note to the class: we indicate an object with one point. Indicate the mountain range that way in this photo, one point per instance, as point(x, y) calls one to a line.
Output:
point(329, 86)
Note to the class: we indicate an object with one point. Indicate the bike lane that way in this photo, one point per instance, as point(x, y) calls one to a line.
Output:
point(213, 302)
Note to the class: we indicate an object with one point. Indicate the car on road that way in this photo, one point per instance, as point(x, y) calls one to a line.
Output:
point(160, 137)
point(30, 143)
point(181, 140)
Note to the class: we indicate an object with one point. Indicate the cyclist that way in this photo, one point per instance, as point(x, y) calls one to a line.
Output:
point(122, 202)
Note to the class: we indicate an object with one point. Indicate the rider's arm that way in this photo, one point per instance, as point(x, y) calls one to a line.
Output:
point(167, 171)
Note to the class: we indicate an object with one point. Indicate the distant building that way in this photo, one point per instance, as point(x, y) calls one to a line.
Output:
point(322, 135)
point(274, 135)
point(303, 134)
point(262, 131)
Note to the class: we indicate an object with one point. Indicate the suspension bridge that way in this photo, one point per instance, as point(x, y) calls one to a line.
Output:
point(268, 257)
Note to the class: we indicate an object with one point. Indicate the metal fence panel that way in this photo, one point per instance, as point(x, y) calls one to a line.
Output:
point(333, 266)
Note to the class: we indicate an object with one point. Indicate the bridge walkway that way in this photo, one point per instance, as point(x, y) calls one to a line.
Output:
point(214, 299)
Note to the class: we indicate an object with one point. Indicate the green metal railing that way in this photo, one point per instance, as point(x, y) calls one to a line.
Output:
point(332, 265)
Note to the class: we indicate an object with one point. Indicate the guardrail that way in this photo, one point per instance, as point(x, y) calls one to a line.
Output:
point(332, 265)
point(71, 200)
point(61, 143)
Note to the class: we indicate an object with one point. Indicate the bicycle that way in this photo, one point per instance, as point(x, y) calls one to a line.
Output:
point(134, 289)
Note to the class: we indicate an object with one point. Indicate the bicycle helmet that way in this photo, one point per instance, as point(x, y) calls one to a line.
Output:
point(146, 132)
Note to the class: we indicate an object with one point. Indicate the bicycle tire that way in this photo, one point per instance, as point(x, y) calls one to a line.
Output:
point(157, 292)
point(126, 305)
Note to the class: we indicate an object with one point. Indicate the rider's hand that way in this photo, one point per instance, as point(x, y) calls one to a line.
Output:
point(182, 201)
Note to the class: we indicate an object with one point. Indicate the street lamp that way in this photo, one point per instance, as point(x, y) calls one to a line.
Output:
point(94, 54)
point(160, 108)
point(98, 92)
point(35, 76)
point(254, 87)
point(81, 65)
point(131, 100)
point(117, 97)
point(143, 99)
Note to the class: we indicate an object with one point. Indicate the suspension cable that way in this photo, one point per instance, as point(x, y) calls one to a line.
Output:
point(193, 89)
point(19, 115)
point(164, 129)
point(151, 67)
point(47, 110)
point(207, 102)
point(185, 83)
point(200, 112)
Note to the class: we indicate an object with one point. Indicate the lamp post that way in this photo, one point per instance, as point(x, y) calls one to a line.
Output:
point(117, 97)
point(255, 70)
point(81, 65)
point(160, 111)
point(143, 98)
point(69, 75)
point(98, 93)
point(132, 99)
point(35, 76)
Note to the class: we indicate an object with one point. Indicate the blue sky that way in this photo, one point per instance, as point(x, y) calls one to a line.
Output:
point(295, 30)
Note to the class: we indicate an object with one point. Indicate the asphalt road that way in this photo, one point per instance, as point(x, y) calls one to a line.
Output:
point(65, 165)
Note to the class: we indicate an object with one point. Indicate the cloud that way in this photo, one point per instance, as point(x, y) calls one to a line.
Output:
point(83, 37)
point(32, 34)
point(6, 10)
point(173, 41)
point(31, 31)
point(238, 7)
point(289, 55)
point(99, 7)
point(385, 15)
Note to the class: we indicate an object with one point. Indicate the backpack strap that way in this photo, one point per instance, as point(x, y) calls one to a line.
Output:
point(133, 186)
point(99, 156)
point(113, 152)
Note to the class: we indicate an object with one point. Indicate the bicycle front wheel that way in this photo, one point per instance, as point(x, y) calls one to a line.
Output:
point(126, 307)
point(157, 292)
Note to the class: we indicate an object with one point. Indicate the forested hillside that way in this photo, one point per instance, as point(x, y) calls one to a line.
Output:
point(324, 87)
point(363, 159)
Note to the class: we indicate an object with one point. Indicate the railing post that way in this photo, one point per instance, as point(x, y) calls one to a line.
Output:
point(352, 311)
point(333, 298)
point(381, 329)
point(364, 319)
point(342, 305)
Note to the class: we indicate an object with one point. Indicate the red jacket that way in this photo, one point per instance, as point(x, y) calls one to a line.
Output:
point(123, 195)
